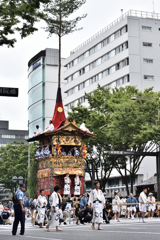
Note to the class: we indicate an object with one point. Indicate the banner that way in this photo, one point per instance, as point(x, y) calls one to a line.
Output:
point(68, 162)
point(67, 140)
point(71, 171)
point(43, 173)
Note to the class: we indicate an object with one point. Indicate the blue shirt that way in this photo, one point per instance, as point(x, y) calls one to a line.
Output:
point(83, 201)
point(20, 195)
point(132, 200)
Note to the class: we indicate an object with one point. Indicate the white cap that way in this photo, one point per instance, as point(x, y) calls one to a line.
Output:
point(150, 194)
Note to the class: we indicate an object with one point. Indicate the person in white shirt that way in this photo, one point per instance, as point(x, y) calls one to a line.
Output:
point(151, 206)
point(50, 128)
point(116, 206)
point(123, 207)
point(42, 203)
point(1, 208)
point(67, 183)
point(142, 204)
point(39, 131)
point(55, 212)
point(83, 127)
point(97, 203)
point(77, 183)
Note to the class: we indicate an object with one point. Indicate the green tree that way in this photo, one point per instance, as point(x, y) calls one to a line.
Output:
point(57, 19)
point(120, 124)
point(32, 181)
point(14, 162)
point(18, 16)
point(98, 164)
point(133, 126)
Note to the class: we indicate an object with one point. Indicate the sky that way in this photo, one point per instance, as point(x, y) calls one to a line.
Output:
point(14, 61)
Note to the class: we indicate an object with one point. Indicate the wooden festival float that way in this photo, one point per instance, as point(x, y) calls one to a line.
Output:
point(53, 169)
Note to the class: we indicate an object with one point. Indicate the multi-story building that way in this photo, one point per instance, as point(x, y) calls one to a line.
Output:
point(9, 136)
point(126, 52)
point(42, 88)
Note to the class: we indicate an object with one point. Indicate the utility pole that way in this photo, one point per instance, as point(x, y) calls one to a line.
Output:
point(158, 175)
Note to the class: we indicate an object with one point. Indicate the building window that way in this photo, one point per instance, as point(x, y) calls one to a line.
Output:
point(146, 44)
point(122, 81)
point(81, 71)
point(97, 47)
point(147, 60)
point(148, 77)
point(8, 136)
point(3, 145)
point(81, 58)
point(82, 99)
point(146, 28)
point(81, 86)
point(94, 79)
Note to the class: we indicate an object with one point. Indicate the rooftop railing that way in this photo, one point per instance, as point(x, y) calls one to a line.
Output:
point(134, 13)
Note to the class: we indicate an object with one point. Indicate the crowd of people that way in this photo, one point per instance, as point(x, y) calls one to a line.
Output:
point(93, 207)
point(43, 152)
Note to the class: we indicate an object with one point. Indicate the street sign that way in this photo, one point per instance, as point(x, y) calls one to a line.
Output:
point(125, 153)
point(14, 179)
point(20, 179)
point(8, 92)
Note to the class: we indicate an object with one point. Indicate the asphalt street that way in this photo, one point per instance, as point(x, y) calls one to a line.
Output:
point(126, 229)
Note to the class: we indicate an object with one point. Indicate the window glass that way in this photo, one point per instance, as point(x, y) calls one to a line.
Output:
point(111, 38)
point(146, 28)
point(91, 51)
point(75, 75)
point(146, 60)
point(75, 61)
point(105, 57)
point(112, 69)
point(105, 73)
point(35, 111)
point(146, 44)
point(81, 58)
point(123, 30)
point(104, 42)
point(86, 54)
point(87, 68)
point(148, 77)
point(98, 61)
point(35, 94)
point(117, 34)
point(87, 83)
point(36, 77)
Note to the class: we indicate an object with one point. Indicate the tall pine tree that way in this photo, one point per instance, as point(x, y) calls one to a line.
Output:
point(57, 19)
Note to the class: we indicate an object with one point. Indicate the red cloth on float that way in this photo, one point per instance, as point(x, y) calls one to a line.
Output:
point(59, 114)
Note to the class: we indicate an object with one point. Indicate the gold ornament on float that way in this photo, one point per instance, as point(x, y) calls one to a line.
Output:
point(60, 109)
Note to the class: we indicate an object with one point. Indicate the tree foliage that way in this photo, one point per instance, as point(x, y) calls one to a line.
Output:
point(18, 16)
point(120, 124)
point(32, 181)
point(58, 20)
point(14, 162)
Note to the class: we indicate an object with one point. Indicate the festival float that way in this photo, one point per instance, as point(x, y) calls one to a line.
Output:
point(56, 168)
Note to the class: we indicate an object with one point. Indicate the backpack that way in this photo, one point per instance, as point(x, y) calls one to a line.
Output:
point(32, 206)
point(14, 199)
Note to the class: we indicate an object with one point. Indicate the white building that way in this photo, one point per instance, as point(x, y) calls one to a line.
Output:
point(42, 88)
point(126, 52)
